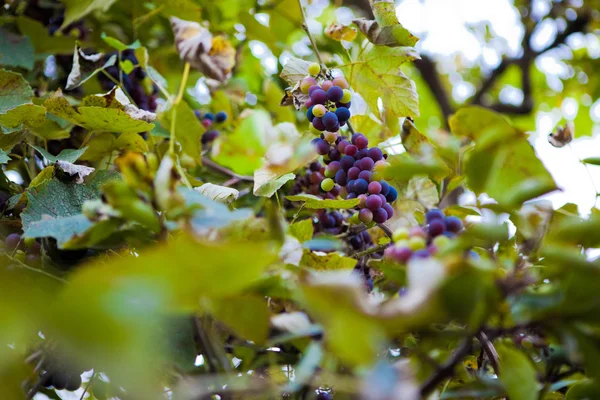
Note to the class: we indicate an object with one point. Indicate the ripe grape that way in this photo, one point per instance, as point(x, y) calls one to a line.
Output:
point(353, 173)
point(373, 203)
point(334, 155)
point(341, 178)
point(309, 114)
point(318, 124)
point(330, 121)
point(375, 153)
point(423, 253)
point(385, 187)
point(366, 164)
point(454, 224)
point(363, 200)
point(436, 227)
point(12, 241)
point(361, 142)
point(326, 85)
point(221, 117)
point(392, 195)
point(366, 175)
point(334, 166)
point(361, 186)
point(313, 88)
point(350, 185)
point(402, 254)
point(307, 83)
point(347, 162)
point(350, 150)
point(417, 231)
point(389, 210)
point(314, 69)
point(380, 215)
point(374, 187)
point(343, 114)
point(319, 110)
point(308, 103)
point(351, 196)
point(319, 96)
point(341, 82)
point(342, 145)
point(209, 116)
point(433, 215)
point(322, 147)
point(365, 216)
point(327, 184)
point(335, 94)
point(209, 136)
point(73, 383)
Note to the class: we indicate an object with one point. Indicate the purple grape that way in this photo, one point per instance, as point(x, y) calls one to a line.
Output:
point(334, 166)
point(353, 173)
point(362, 153)
point(351, 150)
point(318, 96)
point(322, 147)
point(385, 188)
point(436, 227)
point(12, 242)
point(423, 253)
point(351, 196)
point(383, 199)
point(345, 105)
point(347, 162)
point(363, 200)
point(335, 93)
point(389, 210)
point(315, 141)
point(341, 178)
point(341, 146)
point(318, 124)
point(334, 155)
point(380, 216)
point(374, 187)
point(343, 114)
point(454, 224)
point(366, 164)
point(392, 195)
point(330, 120)
point(336, 127)
point(315, 166)
point(402, 254)
point(209, 136)
point(366, 175)
point(335, 191)
point(373, 202)
point(375, 153)
point(312, 89)
point(365, 216)
point(309, 114)
point(360, 141)
point(361, 186)
point(350, 185)
point(434, 214)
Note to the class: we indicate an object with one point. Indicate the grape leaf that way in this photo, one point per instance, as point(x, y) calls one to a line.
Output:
point(385, 30)
point(517, 373)
point(315, 202)
point(376, 74)
point(327, 262)
point(68, 155)
point(86, 66)
point(302, 230)
point(188, 130)
point(117, 44)
point(42, 42)
point(29, 114)
point(14, 91)
point(4, 158)
point(247, 316)
point(15, 50)
point(218, 193)
point(77, 9)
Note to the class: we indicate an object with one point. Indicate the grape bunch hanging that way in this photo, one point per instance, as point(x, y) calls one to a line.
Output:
point(208, 120)
point(424, 241)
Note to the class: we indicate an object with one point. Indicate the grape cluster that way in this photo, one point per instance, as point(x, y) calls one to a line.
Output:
point(60, 376)
point(352, 165)
point(329, 222)
point(423, 242)
point(328, 106)
point(208, 120)
point(137, 83)
point(311, 181)
point(27, 251)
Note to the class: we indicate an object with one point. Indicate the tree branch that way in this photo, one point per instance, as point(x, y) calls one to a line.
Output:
point(426, 67)
point(447, 369)
point(490, 351)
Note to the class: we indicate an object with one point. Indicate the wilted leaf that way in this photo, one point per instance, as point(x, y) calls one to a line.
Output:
point(79, 171)
point(14, 91)
point(327, 262)
point(86, 66)
point(563, 136)
point(385, 30)
point(340, 32)
point(294, 70)
point(218, 193)
point(376, 74)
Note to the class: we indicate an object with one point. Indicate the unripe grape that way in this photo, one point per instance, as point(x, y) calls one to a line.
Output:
point(416, 243)
point(20, 256)
point(326, 85)
point(29, 242)
point(417, 231)
point(400, 234)
point(363, 200)
point(365, 215)
point(380, 215)
point(346, 97)
point(331, 136)
point(327, 184)
point(441, 241)
point(307, 83)
point(341, 82)
point(314, 69)
point(319, 110)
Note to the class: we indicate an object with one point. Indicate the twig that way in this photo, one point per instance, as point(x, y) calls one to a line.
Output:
point(370, 250)
point(310, 37)
point(490, 351)
point(217, 167)
point(88, 385)
point(447, 369)
point(207, 349)
point(186, 72)
point(426, 67)
point(386, 229)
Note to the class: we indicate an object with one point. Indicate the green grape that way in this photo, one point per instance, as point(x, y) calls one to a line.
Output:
point(314, 69)
point(327, 184)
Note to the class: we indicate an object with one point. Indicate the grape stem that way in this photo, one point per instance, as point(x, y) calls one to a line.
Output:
point(371, 250)
point(386, 229)
point(311, 37)
point(213, 165)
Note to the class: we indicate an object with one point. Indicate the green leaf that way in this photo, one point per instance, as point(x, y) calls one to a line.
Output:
point(188, 130)
point(585, 390)
point(302, 230)
point(50, 130)
point(294, 70)
point(327, 262)
point(404, 168)
point(4, 158)
point(247, 316)
point(376, 74)
point(117, 44)
point(44, 43)
point(591, 160)
point(517, 373)
point(266, 182)
point(187, 9)
point(243, 149)
point(77, 9)
point(125, 199)
point(14, 91)
point(96, 118)
point(385, 30)
point(105, 144)
point(15, 50)
point(86, 66)
point(68, 155)
point(30, 115)
point(315, 202)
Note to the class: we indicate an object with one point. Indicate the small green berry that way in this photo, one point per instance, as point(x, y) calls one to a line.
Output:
point(314, 69)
